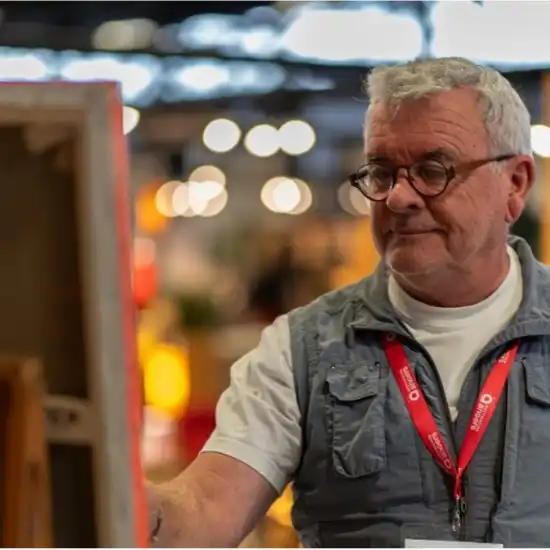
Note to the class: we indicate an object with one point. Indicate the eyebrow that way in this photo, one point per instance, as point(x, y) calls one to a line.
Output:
point(439, 154)
point(436, 154)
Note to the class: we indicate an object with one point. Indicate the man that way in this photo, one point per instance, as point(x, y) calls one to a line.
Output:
point(415, 404)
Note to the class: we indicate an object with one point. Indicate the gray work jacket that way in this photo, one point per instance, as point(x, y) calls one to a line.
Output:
point(366, 479)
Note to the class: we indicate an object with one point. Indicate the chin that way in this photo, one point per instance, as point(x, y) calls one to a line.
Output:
point(410, 262)
point(416, 255)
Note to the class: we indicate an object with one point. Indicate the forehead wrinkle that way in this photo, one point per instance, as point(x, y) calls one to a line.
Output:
point(386, 140)
point(453, 119)
point(395, 150)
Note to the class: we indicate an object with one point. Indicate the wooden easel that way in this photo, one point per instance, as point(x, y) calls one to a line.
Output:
point(25, 485)
point(65, 297)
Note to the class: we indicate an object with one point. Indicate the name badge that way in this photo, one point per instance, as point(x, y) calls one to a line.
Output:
point(420, 543)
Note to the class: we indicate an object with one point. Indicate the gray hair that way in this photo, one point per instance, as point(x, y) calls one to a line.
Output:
point(507, 119)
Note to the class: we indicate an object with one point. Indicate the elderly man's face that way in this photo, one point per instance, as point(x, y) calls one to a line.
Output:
point(416, 235)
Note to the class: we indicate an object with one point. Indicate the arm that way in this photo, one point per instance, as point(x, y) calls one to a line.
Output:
point(214, 503)
point(249, 458)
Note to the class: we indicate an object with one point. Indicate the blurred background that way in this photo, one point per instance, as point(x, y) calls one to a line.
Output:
point(243, 120)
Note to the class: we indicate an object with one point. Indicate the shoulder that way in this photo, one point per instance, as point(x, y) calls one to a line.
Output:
point(331, 303)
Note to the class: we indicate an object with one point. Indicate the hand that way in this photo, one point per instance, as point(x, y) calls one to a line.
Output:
point(154, 504)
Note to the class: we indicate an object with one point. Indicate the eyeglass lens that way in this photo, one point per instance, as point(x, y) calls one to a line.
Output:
point(428, 177)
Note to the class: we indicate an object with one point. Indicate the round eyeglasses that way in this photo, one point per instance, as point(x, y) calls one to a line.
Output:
point(428, 177)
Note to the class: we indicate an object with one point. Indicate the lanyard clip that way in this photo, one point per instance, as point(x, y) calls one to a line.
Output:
point(458, 515)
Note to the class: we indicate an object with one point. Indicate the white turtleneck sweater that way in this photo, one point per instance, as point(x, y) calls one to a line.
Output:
point(454, 337)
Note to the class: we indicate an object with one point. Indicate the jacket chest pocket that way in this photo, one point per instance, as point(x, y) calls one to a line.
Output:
point(355, 418)
point(530, 475)
point(521, 518)
point(535, 424)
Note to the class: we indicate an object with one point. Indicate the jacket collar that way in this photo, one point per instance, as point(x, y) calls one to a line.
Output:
point(375, 311)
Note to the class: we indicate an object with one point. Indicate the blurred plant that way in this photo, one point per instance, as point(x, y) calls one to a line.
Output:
point(197, 311)
point(235, 248)
point(528, 227)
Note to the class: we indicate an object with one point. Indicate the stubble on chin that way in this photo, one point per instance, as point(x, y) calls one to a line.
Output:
point(410, 260)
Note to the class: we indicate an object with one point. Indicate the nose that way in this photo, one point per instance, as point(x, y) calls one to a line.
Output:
point(402, 196)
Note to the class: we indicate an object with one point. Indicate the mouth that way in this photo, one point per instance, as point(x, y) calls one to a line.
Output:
point(412, 233)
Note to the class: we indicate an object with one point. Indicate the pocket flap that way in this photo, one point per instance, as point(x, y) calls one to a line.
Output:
point(537, 382)
point(352, 383)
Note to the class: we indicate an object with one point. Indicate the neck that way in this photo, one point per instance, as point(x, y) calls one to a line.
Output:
point(470, 285)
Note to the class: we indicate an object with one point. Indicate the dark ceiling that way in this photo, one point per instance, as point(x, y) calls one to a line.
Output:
point(91, 14)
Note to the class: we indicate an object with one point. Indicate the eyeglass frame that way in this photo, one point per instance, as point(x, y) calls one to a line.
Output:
point(451, 173)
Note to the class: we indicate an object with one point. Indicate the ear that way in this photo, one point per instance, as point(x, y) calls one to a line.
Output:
point(521, 173)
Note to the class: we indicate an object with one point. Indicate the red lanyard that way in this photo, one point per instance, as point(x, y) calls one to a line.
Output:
point(424, 422)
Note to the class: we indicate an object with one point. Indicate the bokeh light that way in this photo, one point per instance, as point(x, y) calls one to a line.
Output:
point(262, 140)
point(221, 135)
